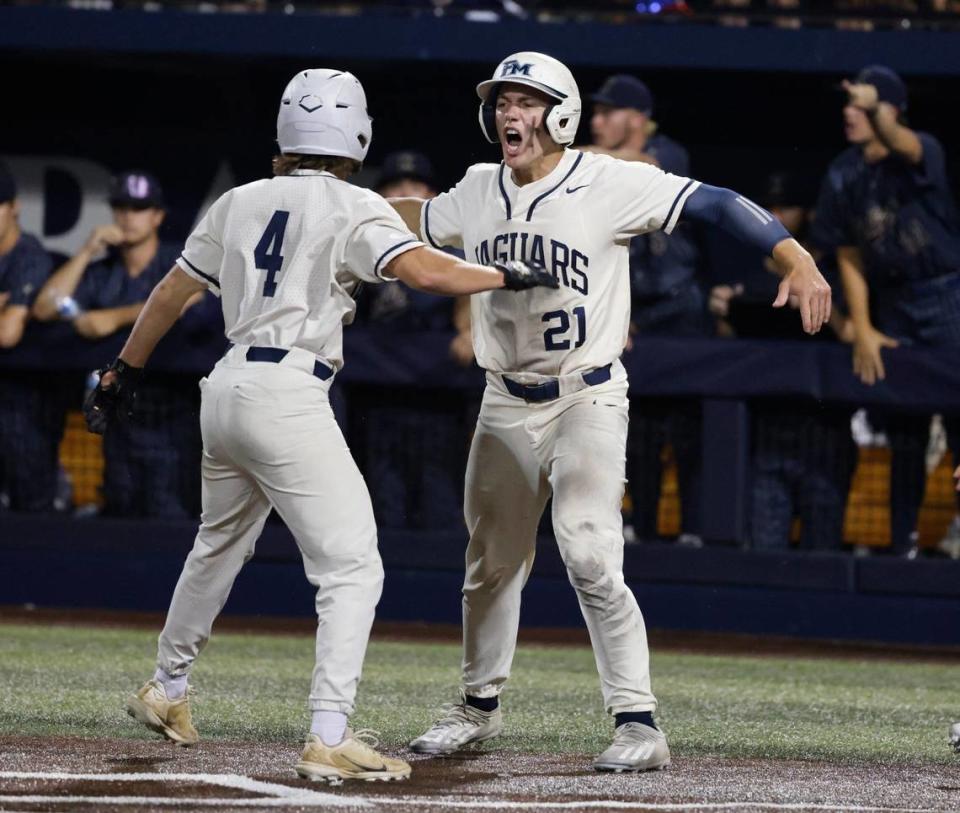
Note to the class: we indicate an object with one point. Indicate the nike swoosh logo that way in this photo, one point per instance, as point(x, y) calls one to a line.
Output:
point(360, 765)
point(576, 188)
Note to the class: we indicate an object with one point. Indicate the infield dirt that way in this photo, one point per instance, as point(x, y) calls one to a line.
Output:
point(479, 781)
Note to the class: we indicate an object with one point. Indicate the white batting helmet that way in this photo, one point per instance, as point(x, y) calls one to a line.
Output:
point(545, 74)
point(324, 112)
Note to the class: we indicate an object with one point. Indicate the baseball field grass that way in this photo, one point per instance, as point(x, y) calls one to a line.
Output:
point(69, 680)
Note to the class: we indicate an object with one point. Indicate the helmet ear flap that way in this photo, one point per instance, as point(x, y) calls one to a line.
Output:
point(488, 122)
point(488, 115)
point(548, 123)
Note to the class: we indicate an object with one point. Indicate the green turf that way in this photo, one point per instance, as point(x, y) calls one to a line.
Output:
point(73, 680)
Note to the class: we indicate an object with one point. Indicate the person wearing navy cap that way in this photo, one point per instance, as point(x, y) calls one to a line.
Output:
point(149, 462)
point(415, 441)
point(669, 299)
point(886, 210)
point(28, 440)
point(407, 173)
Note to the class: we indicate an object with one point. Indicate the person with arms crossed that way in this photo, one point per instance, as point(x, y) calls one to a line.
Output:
point(284, 255)
point(554, 414)
point(31, 413)
point(148, 463)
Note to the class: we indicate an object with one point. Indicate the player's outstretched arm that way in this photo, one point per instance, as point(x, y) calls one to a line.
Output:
point(163, 308)
point(114, 396)
point(437, 273)
point(803, 285)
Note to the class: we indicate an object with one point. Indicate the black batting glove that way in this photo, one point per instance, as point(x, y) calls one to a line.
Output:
point(104, 405)
point(519, 275)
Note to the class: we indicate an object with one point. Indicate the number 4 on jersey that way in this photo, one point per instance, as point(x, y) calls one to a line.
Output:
point(267, 253)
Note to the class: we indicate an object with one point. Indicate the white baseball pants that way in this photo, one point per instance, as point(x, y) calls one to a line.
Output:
point(575, 448)
point(270, 440)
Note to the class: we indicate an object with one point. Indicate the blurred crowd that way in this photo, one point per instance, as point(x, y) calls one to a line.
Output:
point(881, 221)
point(858, 15)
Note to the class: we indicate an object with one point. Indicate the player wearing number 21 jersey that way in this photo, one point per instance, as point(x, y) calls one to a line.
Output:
point(553, 421)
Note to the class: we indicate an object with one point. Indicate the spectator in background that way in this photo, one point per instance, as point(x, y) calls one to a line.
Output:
point(31, 423)
point(414, 439)
point(668, 300)
point(886, 209)
point(803, 454)
point(149, 462)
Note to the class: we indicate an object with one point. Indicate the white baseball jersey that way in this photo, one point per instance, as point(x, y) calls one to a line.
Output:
point(287, 253)
point(577, 222)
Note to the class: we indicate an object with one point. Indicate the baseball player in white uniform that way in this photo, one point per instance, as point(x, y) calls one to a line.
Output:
point(554, 414)
point(284, 255)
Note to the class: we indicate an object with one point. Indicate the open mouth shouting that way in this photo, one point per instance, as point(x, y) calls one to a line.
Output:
point(512, 141)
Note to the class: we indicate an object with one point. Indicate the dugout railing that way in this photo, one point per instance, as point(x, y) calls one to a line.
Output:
point(50, 560)
point(727, 374)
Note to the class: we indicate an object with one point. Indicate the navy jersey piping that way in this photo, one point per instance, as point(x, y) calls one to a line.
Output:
point(426, 225)
point(563, 180)
point(674, 204)
point(198, 271)
point(503, 192)
point(376, 266)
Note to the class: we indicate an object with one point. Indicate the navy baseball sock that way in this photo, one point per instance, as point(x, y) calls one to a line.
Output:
point(483, 703)
point(645, 717)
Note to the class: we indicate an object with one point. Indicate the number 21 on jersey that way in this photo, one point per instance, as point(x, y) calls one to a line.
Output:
point(557, 335)
point(266, 255)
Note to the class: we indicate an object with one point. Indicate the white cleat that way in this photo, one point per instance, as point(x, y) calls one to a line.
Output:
point(459, 727)
point(955, 737)
point(635, 747)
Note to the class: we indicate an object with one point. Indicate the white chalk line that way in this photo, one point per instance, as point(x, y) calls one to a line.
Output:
point(611, 804)
point(277, 795)
point(285, 795)
point(180, 801)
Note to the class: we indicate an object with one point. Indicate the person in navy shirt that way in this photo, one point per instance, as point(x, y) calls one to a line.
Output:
point(149, 462)
point(886, 209)
point(667, 300)
point(24, 265)
point(414, 439)
point(28, 427)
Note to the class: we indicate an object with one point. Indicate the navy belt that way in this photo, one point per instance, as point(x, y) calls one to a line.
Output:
point(278, 354)
point(549, 390)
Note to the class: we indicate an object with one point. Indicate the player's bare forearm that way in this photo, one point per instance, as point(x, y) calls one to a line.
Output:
point(429, 270)
point(409, 210)
point(162, 309)
point(63, 282)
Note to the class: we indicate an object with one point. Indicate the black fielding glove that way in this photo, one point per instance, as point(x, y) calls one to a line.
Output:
point(519, 275)
point(103, 406)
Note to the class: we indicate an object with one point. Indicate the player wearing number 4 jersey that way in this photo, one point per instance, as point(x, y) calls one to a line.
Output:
point(554, 414)
point(285, 255)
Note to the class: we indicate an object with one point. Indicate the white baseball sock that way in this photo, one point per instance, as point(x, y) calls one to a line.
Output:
point(329, 726)
point(175, 687)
